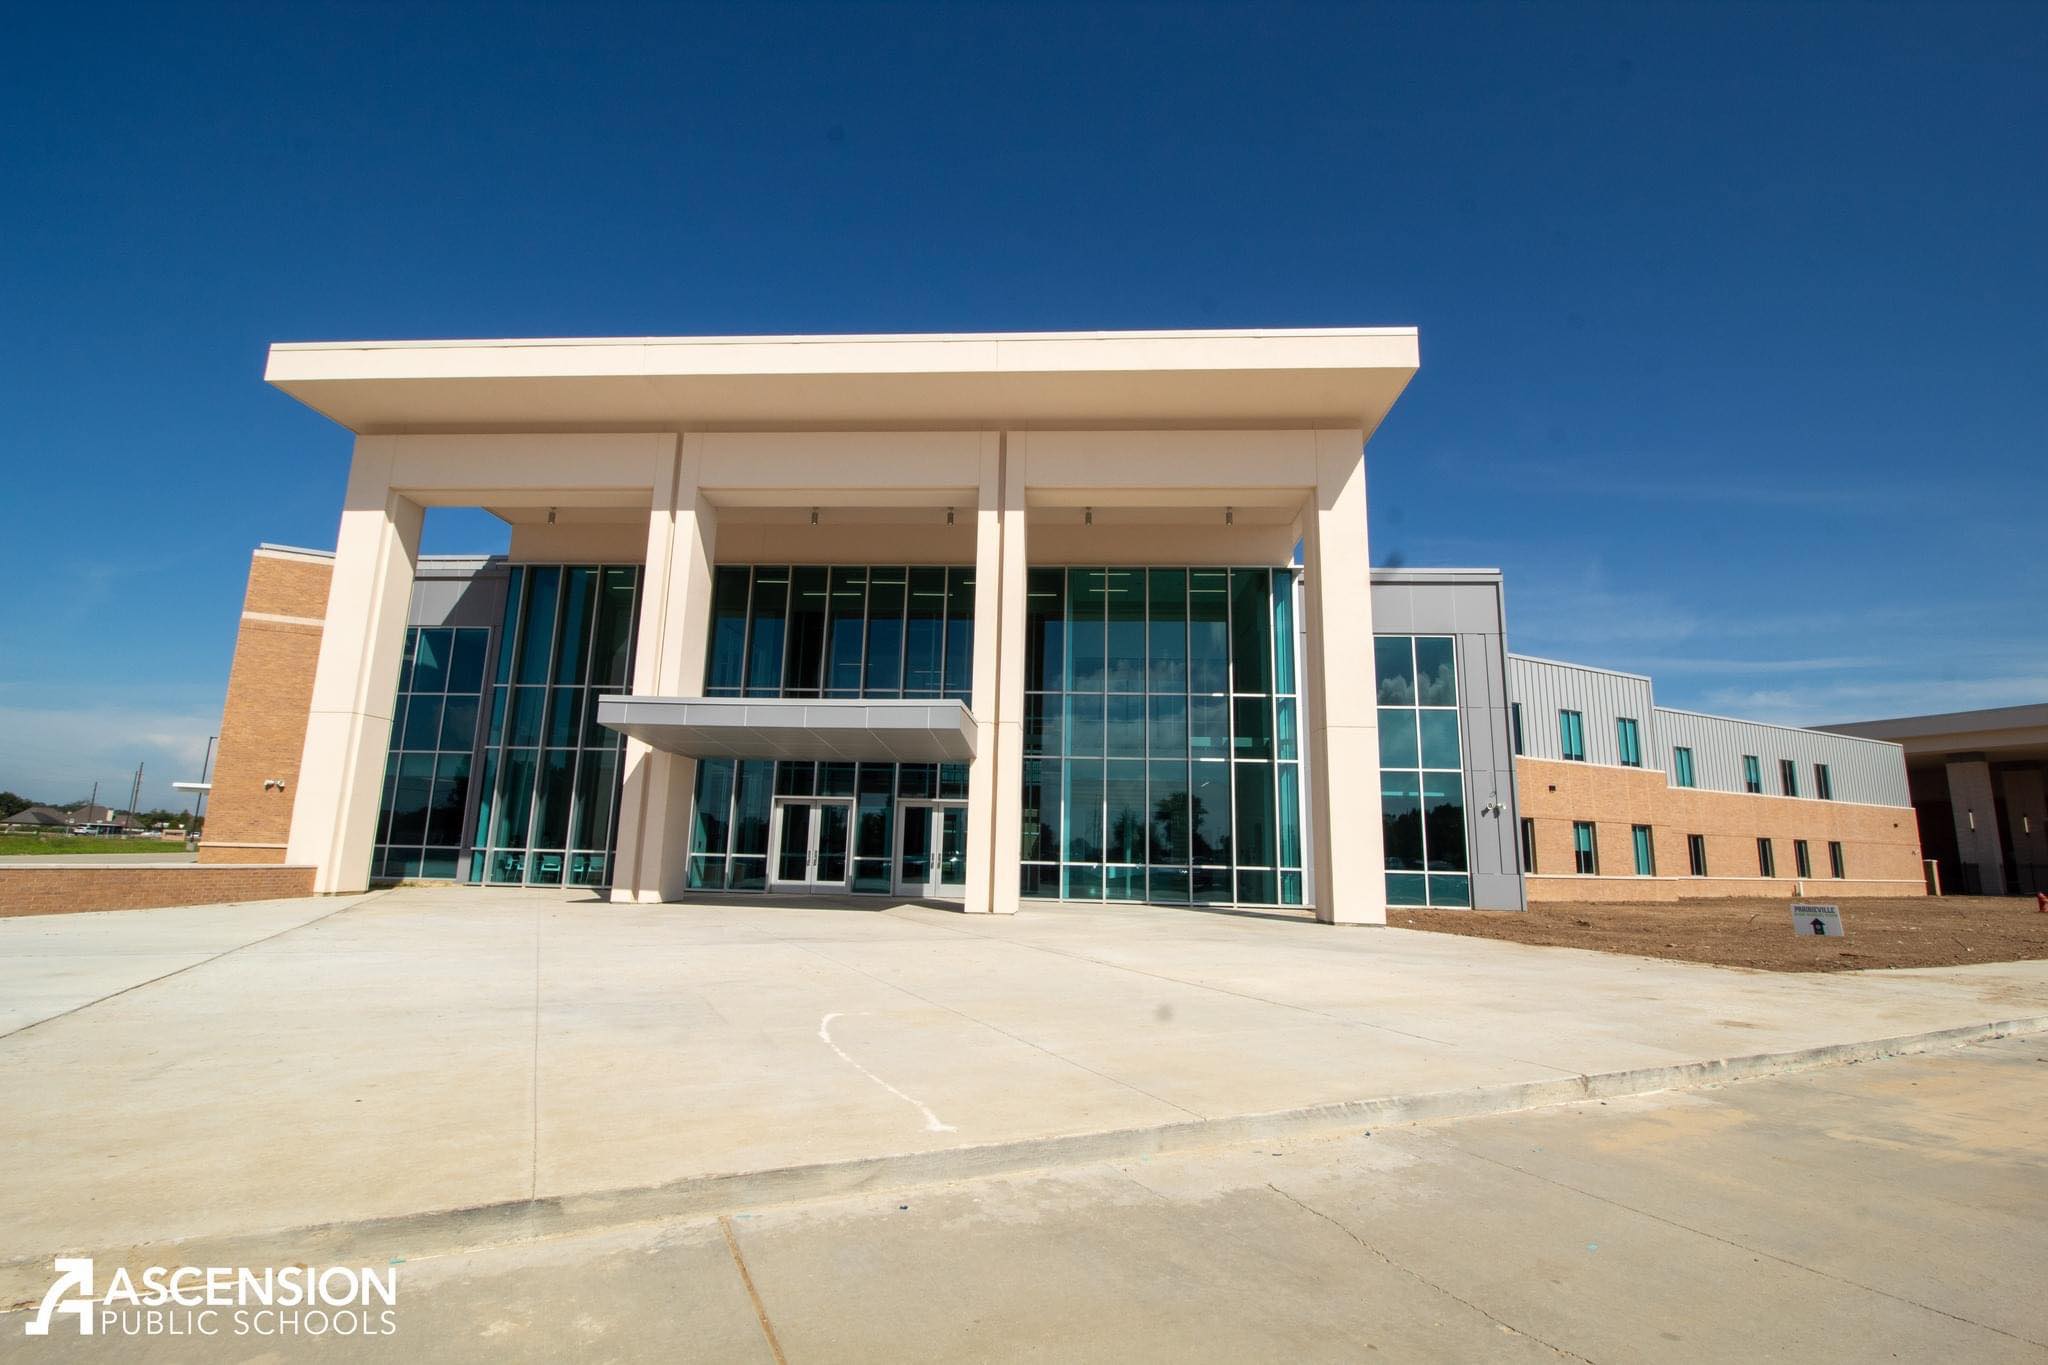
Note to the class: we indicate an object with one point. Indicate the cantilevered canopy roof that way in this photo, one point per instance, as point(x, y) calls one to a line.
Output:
point(1304, 377)
point(796, 728)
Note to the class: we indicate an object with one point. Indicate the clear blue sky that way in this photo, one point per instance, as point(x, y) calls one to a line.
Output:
point(1734, 318)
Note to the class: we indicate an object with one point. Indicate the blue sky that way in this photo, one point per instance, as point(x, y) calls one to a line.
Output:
point(1732, 316)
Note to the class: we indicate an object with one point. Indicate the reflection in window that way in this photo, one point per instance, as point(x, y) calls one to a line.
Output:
point(1422, 782)
point(420, 825)
point(548, 795)
point(1165, 699)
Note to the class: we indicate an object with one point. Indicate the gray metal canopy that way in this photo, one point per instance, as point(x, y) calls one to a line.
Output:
point(795, 728)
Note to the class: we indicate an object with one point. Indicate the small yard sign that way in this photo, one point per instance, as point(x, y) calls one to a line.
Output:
point(1818, 921)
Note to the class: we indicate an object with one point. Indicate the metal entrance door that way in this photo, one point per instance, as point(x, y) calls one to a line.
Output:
point(809, 843)
point(931, 849)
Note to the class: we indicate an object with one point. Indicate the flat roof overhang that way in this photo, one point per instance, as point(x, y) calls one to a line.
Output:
point(1287, 377)
point(796, 728)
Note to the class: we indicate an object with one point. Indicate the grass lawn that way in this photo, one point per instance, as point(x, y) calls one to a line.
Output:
point(14, 844)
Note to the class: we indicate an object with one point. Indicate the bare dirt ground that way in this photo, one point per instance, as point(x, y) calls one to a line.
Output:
point(1924, 931)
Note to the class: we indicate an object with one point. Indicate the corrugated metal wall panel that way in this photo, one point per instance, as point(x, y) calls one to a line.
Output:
point(1859, 770)
point(1862, 770)
point(1544, 688)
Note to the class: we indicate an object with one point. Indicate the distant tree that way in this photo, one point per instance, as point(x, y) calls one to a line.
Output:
point(10, 804)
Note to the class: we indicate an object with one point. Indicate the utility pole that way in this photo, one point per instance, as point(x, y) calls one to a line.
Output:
point(92, 805)
point(134, 796)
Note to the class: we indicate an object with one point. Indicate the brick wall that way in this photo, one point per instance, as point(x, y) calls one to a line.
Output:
point(68, 890)
point(270, 691)
point(1880, 844)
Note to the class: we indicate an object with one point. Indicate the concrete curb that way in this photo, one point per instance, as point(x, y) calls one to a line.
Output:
point(417, 1236)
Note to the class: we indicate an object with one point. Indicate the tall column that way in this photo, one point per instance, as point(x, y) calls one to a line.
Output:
point(1009, 793)
point(668, 661)
point(986, 772)
point(355, 687)
point(1343, 722)
point(1974, 804)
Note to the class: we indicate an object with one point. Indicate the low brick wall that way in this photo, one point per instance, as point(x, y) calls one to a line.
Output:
point(1566, 890)
point(63, 890)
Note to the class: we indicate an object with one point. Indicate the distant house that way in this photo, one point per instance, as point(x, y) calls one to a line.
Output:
point(37, 818)
point(101, 816)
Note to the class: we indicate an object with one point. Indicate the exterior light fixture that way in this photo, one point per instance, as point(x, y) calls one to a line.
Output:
point(551, 516)
point(949, 516)
point(1230, 516)
point(1088, 516)
point(1973, 820)
point(814, 516)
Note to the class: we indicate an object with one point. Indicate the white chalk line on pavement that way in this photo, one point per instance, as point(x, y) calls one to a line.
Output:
point(931, 1120)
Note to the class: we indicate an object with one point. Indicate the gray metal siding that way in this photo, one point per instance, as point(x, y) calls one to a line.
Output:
point(1867, 771)
point(1860, 770)
point(1544, 688)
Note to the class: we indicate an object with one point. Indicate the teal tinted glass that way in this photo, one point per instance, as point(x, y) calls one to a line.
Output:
point(1439, 738)
point(1124, 606)
point(1208, 630)
point(1436, 671)
point(1251, 630)
point(1086, 638)
point(1394, 657)
point(1398, 738)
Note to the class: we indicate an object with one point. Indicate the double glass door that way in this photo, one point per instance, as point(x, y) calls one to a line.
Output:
point(931, 849)
point(810, 842)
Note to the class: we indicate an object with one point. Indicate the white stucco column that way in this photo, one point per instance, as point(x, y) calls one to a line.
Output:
point(668, 661)
point(348, 730)
point(1009, 672)
point(985, 772)
point(1343, 719)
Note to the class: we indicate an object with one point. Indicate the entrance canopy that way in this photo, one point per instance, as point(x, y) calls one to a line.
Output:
point(796, 728)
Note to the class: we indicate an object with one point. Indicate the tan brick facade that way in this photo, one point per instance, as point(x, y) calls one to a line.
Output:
point(69, 890)
point(263, 725)
point(1880, 844)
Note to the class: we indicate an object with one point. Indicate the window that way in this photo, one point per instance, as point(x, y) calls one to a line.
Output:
point(1766, 860)
point(1836, 867)
point(1752, 774)
point(1696, 850)
point(1515, 723)
point(547, 796)
point(420, 829)
point(1529, 846)
point(1788, 776)
point(1571, 736)
point(1823, 783)
point(1801, 859)
point(1422, 779)
point(1629, 742)
point(1681, 767)
point(1585, 853)
point(1646, 851)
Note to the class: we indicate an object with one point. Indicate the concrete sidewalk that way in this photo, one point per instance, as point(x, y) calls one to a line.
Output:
point(431, 1049)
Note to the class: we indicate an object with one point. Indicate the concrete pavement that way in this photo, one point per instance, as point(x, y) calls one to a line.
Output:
point(1893, 1210)
point(428, 1050)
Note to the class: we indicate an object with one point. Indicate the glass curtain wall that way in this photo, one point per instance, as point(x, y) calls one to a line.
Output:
point(548, 814)
point(420, 830)
point(1161, 736)
point(1422, 781)
point(827, 631)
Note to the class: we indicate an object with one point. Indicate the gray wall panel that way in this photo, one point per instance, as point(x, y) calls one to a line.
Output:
point(1860, 770)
